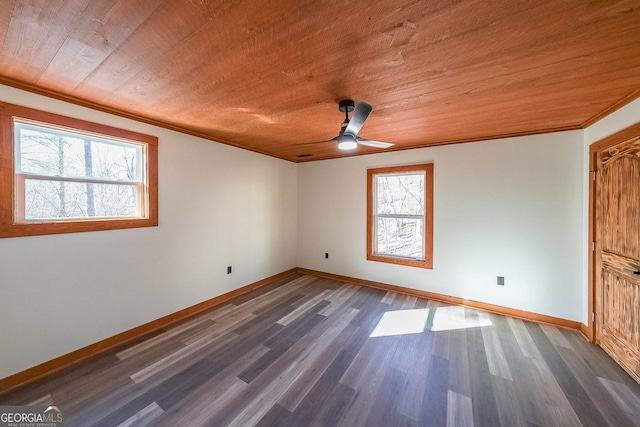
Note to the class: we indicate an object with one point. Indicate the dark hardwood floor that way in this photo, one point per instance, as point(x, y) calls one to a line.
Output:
point(310, 351)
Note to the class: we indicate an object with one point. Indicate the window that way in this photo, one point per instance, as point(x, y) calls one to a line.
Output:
point(62, 175)
point(400, 215)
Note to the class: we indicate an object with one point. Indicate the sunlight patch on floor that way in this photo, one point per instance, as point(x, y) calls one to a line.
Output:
point(401, 322)
point(454, 317)
point(416, 321)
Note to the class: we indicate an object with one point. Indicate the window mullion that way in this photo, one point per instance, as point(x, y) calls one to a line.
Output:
point(400, 216)
point(76, 179)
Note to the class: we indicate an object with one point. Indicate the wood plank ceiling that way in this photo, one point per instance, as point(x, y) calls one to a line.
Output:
point(267, 75)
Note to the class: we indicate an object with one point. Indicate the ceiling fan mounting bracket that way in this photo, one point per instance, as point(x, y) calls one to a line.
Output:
point(346, 105)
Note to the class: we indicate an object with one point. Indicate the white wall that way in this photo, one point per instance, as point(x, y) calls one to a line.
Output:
point(218, 206)
point(509, 207)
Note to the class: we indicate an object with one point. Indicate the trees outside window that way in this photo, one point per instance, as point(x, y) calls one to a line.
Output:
point(71, 175)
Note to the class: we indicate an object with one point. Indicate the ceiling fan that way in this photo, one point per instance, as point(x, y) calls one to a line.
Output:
point(348, 138)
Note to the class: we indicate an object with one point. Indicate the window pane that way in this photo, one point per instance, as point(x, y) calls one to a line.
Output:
point(48, 199)
point(55, 153)
point(400, 237)
point(400, 194)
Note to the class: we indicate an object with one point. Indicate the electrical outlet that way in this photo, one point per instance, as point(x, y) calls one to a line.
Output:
point(326, 255)
point(229, 270)
point(500, 281)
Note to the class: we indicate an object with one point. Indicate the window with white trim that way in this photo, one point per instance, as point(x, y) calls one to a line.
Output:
point(400, 215)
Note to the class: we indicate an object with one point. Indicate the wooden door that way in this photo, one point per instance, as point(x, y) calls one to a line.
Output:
point(618, 253)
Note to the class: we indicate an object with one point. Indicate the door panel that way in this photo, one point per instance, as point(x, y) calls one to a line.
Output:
point(618, 254)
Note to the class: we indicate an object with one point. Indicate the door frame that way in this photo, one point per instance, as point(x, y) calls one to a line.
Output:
point(595, 148)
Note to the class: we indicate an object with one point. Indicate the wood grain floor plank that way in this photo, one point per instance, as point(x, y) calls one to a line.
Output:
point(328, 345)
point(598, 393)
point(45, 400)
point(539, 396)
point(388, 394)
point(340, 299)
point(178, 356)
point(144, 417)
point(101, 405)
point(301, 325)
point(509, 410)
point(286, 340)
point(278, 284)
point(276, 295)
point(218, 328)
point(227, 392)
point(410, 352)
point(495, 355)
point(235, 349)
point(205, 401)
point(306, 412)
point(90, 395)
point(409, 302)
point(66, 384)
point(529, 387)
point(441, 344)
point(515, 404)
point(331, 410)
point(135, 397)
point(222, 311)
point(485, 409)
point(269, 314)
point(556, 336)
point(435, 393)
point(411, 400)
point(389, 297)
point(269, 387)
point(335, 319)
point(369, 309)
point(367, 361)
point(525, 342)
point(628, 401)
point(369, 382)
point(459, 410)
point(564, 377)
point(459, 378)
point(276, 417)
point(198, 323)
point(557, 407)
point(598, 361)
point(369, 298)
point(415, 358)
point(312, 302)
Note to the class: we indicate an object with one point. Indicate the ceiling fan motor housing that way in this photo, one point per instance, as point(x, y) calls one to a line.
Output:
point(346, 105)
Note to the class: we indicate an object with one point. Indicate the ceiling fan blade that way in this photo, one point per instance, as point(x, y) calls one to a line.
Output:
point(376, 144)
point(358, 117)
point(318, 142)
